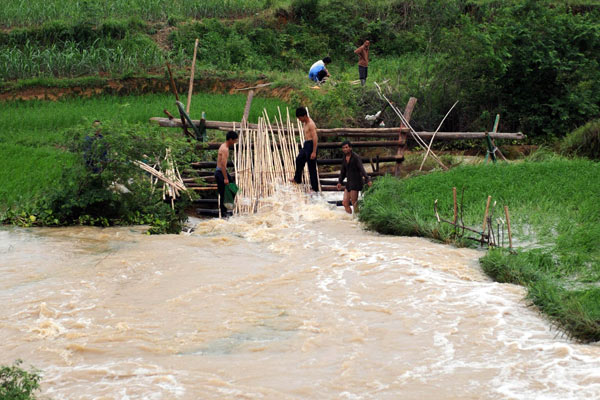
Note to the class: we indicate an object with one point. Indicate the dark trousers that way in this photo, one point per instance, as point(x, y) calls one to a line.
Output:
point(304, 158)
point(362, 72)
point(220, 178)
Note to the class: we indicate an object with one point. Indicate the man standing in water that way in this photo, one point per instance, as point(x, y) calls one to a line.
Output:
point(308, 153)
point(221, 175)
point(363, 61)
point(354, 171)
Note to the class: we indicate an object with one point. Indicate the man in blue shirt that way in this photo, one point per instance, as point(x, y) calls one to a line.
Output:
point(318, 71)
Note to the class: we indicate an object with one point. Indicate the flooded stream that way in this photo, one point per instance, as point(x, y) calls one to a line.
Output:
point(297, 302)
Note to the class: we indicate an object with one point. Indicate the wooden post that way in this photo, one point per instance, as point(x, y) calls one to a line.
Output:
point(455, 205)
point(172, 81)
point(247, 107)
point(508, 226)
point(487, 209)
point(189, 99)
point(410, 106)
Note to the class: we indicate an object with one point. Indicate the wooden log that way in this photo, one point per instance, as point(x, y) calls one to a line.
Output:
point(323, 161)
point(207, 211)
point(205, 201)
point(208, 164)
point(356, 132)
point(193, 172)
point(322, 145)
point(204, 188)
point(332, 189)
point(338, 161)
point(325, 175)
point(410, 106)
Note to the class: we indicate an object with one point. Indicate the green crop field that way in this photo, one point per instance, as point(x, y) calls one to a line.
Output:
point(31, 151)
point(22, 13)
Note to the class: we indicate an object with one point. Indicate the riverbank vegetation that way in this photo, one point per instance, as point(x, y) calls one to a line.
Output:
point(553, 203)
point(17, 383)
point(46, 180)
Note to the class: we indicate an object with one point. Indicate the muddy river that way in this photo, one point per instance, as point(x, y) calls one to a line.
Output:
point(297, 302)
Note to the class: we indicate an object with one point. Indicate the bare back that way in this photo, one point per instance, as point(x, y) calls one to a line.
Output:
point(222, 157)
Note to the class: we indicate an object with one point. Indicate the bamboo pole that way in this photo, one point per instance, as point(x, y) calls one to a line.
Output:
point(508, 226)
point(455, 206)
point(487, 209)
point(434, 133)
point(191, 88)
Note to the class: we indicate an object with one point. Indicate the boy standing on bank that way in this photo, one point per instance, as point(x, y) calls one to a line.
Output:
point(308, 153)
point(354, 171)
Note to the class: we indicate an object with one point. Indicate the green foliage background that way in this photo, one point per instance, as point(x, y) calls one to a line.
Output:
point(536, 62)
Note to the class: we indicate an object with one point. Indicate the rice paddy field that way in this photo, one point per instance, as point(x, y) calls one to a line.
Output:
point(32, 154)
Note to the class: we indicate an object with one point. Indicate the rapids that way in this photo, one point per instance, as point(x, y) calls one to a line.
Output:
point(295, 302)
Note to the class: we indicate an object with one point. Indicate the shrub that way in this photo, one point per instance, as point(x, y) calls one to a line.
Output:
point(305, 10)
point(583, 141)
point(91, 190)
point(18, 384)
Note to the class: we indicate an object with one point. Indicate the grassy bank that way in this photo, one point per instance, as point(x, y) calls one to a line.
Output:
point(556, 222)
point(33, 137)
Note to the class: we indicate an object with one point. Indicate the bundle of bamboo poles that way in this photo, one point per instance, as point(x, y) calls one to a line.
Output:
point(170, 176)
point(264, 160)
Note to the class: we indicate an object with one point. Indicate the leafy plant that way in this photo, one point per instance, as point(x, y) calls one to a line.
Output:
point(17, 383)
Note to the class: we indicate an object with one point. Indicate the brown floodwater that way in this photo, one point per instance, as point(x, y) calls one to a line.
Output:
point(296, 302)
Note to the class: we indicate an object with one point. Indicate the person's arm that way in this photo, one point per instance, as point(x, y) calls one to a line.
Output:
point(360, 49)
point(315, 141)
point(363, 172)
point(342, 175)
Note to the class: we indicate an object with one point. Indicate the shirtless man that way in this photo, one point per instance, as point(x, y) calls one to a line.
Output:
point(221, 175)
point(354, 171)
point(308, 153)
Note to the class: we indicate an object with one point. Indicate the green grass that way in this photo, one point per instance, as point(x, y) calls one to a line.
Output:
point(32, 134)
point(24, 13)
point(555, 217)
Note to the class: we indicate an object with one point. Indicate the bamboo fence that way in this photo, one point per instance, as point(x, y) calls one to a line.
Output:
point(264, 161)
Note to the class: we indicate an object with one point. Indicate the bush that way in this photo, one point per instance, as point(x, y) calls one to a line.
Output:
point(92, 189)
point(583, 141)
point(305, 10)
point(18, 384)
